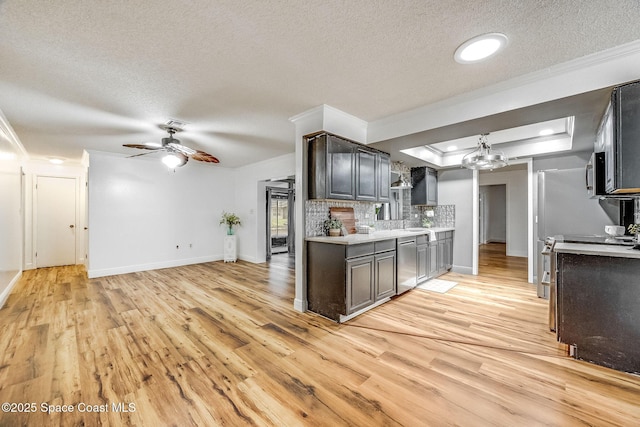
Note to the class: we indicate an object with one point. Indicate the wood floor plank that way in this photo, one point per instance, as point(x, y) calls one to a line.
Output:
point(219, 344)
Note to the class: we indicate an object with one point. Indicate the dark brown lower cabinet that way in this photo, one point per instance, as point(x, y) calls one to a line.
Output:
point(445, 251)
point(385, 275)
point(344, 279)
point(423, 262)
point(598, 301)
point(360, 283)
point(433, 260)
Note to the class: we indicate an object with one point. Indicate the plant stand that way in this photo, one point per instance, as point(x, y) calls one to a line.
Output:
point(230, 249)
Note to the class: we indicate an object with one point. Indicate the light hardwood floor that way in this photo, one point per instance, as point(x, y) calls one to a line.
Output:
point(494, 262)
point(219, 344)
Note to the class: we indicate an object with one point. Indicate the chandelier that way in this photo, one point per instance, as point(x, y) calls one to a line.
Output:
point(483, 158)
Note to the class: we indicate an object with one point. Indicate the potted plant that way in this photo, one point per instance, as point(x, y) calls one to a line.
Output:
point(230, 219)
point(333, 225)
point(635, 230)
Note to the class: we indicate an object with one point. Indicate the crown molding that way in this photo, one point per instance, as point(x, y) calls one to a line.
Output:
point(7, 131)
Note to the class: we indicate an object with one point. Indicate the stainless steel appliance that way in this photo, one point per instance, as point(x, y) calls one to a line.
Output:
point(564, 207)
point(407, 264)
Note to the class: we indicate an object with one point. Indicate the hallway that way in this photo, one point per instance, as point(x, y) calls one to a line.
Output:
point(493, 262)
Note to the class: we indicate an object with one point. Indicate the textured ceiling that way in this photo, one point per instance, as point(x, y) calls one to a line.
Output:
point(98, 74)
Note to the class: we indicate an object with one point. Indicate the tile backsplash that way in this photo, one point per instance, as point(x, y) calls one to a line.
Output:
point(317, 211)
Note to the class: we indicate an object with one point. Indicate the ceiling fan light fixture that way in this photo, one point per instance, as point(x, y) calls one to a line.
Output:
point(174, 160)
point(177, 154)
point(483, 158)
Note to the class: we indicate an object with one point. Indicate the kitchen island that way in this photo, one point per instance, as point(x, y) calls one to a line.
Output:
point(348, 275)
point(598, 303)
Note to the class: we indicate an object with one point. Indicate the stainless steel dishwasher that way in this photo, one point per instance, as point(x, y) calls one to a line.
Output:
point(407, 264)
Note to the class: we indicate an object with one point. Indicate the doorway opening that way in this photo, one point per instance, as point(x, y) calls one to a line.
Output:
point(280, 229)
point(503, 221)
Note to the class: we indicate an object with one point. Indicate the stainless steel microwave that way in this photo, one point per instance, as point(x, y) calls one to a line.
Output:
point(595, 175)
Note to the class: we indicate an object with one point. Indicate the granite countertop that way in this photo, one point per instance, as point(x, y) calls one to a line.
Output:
point(601, 250)
point(354, 239)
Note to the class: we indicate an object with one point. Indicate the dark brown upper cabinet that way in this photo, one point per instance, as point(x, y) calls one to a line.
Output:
point(384, 177)
point(366, 172)
point(425, 186)
point(345, 170)
point(620, 136)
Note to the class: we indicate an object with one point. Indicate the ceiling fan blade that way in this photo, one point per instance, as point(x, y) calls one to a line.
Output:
point(141, 154)
point(204, 157)
point(143, 146)
point(182, 148)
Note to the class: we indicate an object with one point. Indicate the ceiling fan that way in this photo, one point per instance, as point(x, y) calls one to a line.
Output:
point(177, 154)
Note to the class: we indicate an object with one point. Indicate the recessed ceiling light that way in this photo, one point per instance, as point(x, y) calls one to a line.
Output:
point(545, 132)
point(452, 148)
point(480, 47)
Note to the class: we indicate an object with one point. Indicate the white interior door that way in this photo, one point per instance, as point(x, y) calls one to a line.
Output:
point(55, 221)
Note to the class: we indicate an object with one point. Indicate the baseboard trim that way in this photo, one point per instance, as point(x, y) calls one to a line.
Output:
point(300, 305)
point(517, 254)
point(462, 269)
point(252, 260)
point(5, 294)
point(151, 266)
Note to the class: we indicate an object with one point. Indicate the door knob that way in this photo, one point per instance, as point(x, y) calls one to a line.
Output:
point(71, 226)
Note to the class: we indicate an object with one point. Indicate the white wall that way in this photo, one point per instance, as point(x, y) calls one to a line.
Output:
point(143, 216)
point(250, 202)
point(495, 213)
point(455, 187)
point(12, 154)
point(10, 226)
point(517, 228)
point(498, 213)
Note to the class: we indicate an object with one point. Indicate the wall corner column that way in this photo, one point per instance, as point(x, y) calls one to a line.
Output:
point(320, 118)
